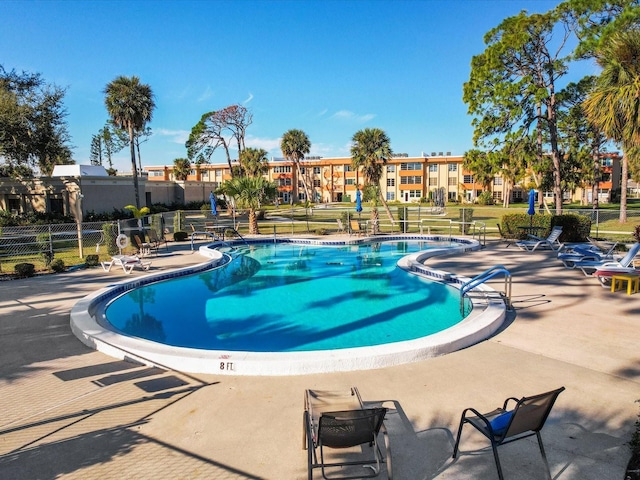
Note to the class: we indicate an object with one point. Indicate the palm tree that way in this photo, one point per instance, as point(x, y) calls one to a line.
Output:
point(251, 193)
point(181, 168)
point(370, 150)
point(295, 144)
point(130, 105)
point(613, 105)
point(254, 162)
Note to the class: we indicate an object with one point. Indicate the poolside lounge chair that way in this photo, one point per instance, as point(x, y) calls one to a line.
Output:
point(589, 267)
point(501, 426)
point(354, 228)
point(536, 242)
point(339, 420)
point(144, 248)
point(127, 262)
point(594, 251)
point(504, 238)
point(156, 241)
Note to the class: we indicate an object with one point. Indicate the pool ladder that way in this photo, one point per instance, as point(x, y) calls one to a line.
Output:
point(483, 278)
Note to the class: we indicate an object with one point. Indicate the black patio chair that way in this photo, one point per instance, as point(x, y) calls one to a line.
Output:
point(502, 426)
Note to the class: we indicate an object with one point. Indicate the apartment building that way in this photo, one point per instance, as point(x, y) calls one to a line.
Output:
point(405, 179)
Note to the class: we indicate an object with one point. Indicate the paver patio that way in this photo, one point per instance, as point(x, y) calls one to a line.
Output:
point(70, 412)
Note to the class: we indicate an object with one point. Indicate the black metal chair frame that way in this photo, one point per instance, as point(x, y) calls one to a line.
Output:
point(522, 423)
point(345, 429)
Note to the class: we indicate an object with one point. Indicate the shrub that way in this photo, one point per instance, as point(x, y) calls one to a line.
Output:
point(92, 261)
point(110, 232)
point(575, 228)
point(57, 265)
point(485, 198)
point(178, 221)
point(180, 236)
point(636, 233)
point(320, 231)
point(24, 270)
point(45, 247)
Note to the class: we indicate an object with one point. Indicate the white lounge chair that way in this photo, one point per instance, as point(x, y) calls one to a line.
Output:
point(551, 241)
point(594, 251)
point(127, 262)
point(589, 267)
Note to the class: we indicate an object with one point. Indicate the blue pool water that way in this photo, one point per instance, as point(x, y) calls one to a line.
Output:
point(289, 297)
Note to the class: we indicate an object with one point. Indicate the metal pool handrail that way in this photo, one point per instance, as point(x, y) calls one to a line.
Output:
point(484, 277)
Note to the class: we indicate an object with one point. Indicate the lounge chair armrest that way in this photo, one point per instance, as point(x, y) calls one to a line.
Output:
point(506, 402)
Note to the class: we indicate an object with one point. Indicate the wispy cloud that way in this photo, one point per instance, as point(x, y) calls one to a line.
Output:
point(271, 145)
point(323, 112)
point(207, 94)
point(249, 98)
point(176, 136)
point(353, 117)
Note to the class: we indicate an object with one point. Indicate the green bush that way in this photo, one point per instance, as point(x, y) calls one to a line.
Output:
point(92, 261)
point(636, 233)
point(180, 236)
point(321, 231)
point(24, 270)
point(575, 228)
point(485, 198)
point(45, 247)
point(178, 221)
point(57, 265)
point(110, 232)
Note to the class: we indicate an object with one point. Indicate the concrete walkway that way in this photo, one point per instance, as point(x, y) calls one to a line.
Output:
point(70, 412)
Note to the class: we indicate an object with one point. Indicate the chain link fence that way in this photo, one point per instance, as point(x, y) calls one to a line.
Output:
point(40, 244)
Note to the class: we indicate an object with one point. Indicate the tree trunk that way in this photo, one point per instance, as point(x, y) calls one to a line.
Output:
point(134, 169)
point(386, 207)
point(253, 222)
point(304, 181)
point(623, 187)
point(375, 227)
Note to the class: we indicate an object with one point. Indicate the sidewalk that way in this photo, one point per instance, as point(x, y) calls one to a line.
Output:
point(73, 413)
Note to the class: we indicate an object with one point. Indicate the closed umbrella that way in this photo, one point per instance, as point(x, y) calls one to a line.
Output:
point(358, 201)
point(532, 204)
point(212, 200)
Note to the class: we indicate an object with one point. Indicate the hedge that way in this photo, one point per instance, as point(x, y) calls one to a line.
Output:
point(575, 228)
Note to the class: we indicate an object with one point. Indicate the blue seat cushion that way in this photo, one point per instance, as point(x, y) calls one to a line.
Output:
point(499, 424)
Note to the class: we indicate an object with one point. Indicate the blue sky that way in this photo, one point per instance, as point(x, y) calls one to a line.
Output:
point(329, 68)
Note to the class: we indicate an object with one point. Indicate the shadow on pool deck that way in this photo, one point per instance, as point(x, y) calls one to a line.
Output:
point(70, 412)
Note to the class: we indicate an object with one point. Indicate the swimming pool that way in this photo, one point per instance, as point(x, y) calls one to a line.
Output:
point(291, 297)
point(89, 317)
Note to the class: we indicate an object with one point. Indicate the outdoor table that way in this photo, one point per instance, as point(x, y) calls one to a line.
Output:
point(531, 230)
point(632, 282)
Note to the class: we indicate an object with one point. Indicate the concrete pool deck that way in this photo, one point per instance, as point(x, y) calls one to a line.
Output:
point(71, 412)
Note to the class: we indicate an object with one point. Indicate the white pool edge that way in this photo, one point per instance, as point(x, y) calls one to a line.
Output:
point(488, 314)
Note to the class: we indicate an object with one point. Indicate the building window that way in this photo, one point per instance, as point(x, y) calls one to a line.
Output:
point(517, 194)
point(391, 168)
point(497, 196)
point(349, 181)
point(467, 179)
point(316, 170)
point(156, 173)
point(347, 168)
point(497, 180)
point(391, 182)
point(282, 169)
point(415, 194)
point(453, 167)
point(317, 184)
point(453, 196)
point(411, 166)
point(452, 181)
point(411, 179)
point(391, 196)
point(284, 182)
point(433, 181)
point(433, 168)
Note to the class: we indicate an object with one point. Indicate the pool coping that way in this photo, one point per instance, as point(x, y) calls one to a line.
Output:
point(488, 314)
